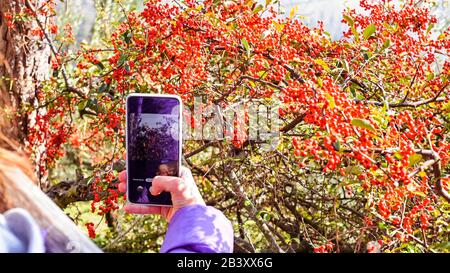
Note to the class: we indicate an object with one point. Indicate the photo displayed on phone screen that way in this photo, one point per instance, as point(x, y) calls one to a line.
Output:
point(153, 145)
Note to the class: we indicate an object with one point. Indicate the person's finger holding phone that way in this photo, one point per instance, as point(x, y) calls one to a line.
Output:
point(183, 190)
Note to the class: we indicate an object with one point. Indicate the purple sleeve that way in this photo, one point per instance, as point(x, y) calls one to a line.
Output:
point(199, 229)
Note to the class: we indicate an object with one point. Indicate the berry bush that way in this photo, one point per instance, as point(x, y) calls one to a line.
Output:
point(361, 158)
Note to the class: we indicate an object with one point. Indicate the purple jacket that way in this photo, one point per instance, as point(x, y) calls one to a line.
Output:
point(193, 229)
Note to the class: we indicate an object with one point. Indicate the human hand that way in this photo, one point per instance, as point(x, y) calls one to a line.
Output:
point(183, 190)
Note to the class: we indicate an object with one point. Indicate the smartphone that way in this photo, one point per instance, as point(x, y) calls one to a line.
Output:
point(153, 143)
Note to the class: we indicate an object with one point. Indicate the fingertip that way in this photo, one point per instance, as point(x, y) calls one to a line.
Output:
point(122, 187)
point(152, 191)
point(123, 176)
point(158, 180)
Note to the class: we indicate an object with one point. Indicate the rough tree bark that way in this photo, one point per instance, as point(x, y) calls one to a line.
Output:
point(24, 64)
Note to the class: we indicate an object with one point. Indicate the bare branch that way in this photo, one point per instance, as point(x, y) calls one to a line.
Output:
point(253, 212)
point(293, 123)
point(245, 77)
point(416, 104)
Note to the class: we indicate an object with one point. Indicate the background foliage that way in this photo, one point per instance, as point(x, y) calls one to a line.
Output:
point(361, 162)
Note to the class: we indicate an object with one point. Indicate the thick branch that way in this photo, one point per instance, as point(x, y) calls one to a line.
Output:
point(293, 123)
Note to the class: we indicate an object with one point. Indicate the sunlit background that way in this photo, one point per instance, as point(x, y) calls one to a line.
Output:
point(311, 11)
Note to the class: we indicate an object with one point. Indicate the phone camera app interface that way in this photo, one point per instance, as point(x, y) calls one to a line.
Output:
point(153, 146)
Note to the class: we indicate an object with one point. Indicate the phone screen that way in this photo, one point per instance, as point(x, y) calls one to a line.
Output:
point(153, 145)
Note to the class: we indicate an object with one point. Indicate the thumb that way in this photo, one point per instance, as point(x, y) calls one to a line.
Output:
point(166, 183)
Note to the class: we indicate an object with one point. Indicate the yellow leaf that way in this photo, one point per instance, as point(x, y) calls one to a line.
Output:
point(278, 26)
point(293, 12)
point(419, 193)
point(323, 64)
point(331, 101)
point(363, 124)
point(414, 159)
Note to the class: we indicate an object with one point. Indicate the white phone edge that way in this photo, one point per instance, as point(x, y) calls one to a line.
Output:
point(180, 137)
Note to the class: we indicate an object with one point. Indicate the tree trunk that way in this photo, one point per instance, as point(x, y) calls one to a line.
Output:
point(24, 64)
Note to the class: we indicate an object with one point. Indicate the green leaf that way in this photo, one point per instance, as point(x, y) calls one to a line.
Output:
point(122, 59)
point(352, 90)
point(414, 159)
point(382, 225)
point(356, 34)
point(369, 31)
point(258, 9)
point(100, 65)
point(356, 170)
point(82, 105)
point(246, 46)
point(430, 27)
point(443, 245)
point(337, 145)
point(127, 36)
point(351, 23)
point(264, 215)
point(262, 74)
point(103, 88)
point(363, 124)
point(386, 44)
point(366, 56)
point(349, 20)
